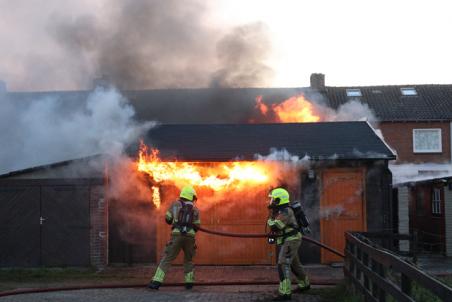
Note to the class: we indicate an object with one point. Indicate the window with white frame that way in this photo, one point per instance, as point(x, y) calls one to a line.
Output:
point(436, 201)
point(427, 141)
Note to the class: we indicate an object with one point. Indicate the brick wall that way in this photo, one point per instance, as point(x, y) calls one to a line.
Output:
point(399, 135)
point(404, 217)
point(98, 227)
point(448, 218)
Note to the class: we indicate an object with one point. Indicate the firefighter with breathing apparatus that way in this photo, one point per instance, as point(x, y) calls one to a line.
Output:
point(285, 231)
point(183, 216)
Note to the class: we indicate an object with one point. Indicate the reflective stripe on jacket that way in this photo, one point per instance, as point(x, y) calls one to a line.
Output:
point(284, 223)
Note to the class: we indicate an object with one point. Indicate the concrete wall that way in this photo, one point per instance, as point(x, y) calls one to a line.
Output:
point(448, 218)
point(404, 216)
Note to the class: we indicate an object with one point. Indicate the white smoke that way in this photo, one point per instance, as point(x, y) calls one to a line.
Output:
point(353, 110)
point(367, 154)
point(45, 131)
point(403, 173)
point(284, 156)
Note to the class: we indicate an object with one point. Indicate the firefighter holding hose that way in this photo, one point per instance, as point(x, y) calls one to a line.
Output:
point(183, 217)
point(285, 230)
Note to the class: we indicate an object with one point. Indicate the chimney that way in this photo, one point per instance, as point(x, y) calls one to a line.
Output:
point(317, 81)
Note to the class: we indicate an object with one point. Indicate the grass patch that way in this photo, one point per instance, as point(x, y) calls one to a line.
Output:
point(447, 280)
point(56, 277)
point(421, 294)
point(340, 293)
point(46, 274)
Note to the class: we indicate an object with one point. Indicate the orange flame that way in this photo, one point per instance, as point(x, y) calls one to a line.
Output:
point(156, 196)
point(293, 110)
point(263, 108)
point(221, 176)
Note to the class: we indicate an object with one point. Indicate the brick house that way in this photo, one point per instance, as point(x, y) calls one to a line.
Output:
point(416, 122)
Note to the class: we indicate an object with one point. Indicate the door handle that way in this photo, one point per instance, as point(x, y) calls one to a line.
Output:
point(41, 220)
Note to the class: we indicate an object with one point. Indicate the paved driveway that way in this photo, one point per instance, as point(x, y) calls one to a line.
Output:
point(211, 293)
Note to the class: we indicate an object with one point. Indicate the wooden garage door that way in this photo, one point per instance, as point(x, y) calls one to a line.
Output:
point(43, 225)
point(236, 216)
point(19, 226)
point(65, 226)
point(341, 208)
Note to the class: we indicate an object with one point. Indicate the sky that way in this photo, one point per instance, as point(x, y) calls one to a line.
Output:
point(353, 43)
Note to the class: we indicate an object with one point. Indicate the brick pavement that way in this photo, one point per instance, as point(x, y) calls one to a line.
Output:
point(201, 293)
point(319, 274)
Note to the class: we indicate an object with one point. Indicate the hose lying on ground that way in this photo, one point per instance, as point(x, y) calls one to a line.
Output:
point(266, 235)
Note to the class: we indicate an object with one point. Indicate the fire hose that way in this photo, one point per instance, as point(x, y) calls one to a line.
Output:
point(113, 286)
point(263, 235)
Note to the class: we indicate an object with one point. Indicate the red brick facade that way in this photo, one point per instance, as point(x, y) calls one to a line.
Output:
point(399, 135)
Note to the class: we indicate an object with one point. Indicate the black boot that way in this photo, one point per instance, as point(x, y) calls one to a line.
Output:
point(282, 298)
point(154, 285)
point(188, 285)
point(302, 289)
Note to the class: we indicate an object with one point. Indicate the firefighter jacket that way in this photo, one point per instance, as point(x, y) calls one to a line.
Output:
point(284, 225)
point(172, 214)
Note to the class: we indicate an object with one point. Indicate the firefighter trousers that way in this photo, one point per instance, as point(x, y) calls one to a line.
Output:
point(288, 260)
point(178, 242)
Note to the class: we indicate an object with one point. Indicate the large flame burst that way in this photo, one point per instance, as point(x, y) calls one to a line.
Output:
point(293, 110)
point(217, 176)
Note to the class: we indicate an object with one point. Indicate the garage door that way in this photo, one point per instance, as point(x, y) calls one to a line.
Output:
point(20, 234)
point(44, 225)
point(248, 215)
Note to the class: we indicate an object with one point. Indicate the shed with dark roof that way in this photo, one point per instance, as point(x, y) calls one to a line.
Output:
point(318, 141)
point(347, 185)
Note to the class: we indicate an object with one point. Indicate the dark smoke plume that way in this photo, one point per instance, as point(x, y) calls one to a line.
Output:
point(164, 44)
point(241, 55)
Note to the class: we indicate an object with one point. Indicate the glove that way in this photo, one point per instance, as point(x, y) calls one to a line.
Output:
point(306, 230)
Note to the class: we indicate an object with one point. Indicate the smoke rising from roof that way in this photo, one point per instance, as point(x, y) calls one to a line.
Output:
point(135, 44)
point(403, 173)
point(304, 106)
point(44, 131)
point(242, 54)
point(353, 111)
point(143, 44)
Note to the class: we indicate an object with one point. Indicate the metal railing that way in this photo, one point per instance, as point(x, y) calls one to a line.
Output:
point(380, 275)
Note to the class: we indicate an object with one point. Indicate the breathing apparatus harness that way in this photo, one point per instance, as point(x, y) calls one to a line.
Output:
point(300, 216)
point(185, 217)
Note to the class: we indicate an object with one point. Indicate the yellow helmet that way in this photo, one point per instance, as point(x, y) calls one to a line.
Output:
point(279, 194)
point(188, 193)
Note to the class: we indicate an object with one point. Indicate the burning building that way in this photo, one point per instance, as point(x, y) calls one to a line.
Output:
point(338, 170)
